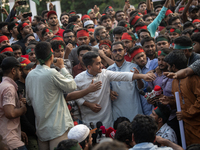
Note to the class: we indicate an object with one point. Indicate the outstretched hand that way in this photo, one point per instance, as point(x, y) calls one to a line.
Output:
point(171, 75)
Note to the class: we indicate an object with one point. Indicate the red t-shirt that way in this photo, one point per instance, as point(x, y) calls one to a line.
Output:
point(60, 32)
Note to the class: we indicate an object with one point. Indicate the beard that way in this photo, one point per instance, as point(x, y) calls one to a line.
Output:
point(71, 42)
point(64, 24)
point(23, 75)
point(92, 40)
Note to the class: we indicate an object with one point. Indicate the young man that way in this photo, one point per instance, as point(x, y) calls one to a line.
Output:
point(144, 135)
point(106, 21)
point(176, 22)
point(4, 41)
point(76, 19)
point(117, 33)
point(64, 18)
point(17, 50)
point(149, 47)
point(119, 15)
point(147, 19)
point(111, 13)
point(12, 28)
point(30, 51)
point(55, 83)
point(162, 41)
point(69, 37)
point(81, 67)
point(161, 115)
point(196, 42)
point(188, 89)
point(54, 23)
point(127, 102)
point(128, 40)
point(173, 34)
point(184, 43)
point(97, 106)
point(11, 107)
point(142, 33)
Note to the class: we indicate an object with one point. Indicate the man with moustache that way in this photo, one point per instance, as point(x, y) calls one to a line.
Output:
point(69, 37)
point(127, 103)
point(128, 40)
point(64, 18)
point(54, 24)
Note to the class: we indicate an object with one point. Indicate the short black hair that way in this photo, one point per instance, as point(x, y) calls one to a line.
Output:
point(2, 24)
point(189, 31)
point(134, 12)
point(172, 19)
point(27, 36)
point(116, 43)
point(33, 42)
point(38, 18)
point(146, 39)
point(88, 58)
point(177, 58)
point(118, 121)
point(55, 44)
point(42, 50)
point(11, 25)
point(67, 31)
point(145, 16)
point(144, 129)
point(64, 13)
point(118, 12)
point(196, 37)
point(83, 47)
point(122, 23)
point(158, 6)
point(66, 144)
point(16, 47)
point(44, 12)
point(104, 18)
point(152, 14)
point(2, 56)
point(124, 133)
point(183, 41)
point(188, 24)
point(73, 18)
point(119, 30)
point(139, 24)
point(36, 27)
point(142, 30)
point(165, 110)
point(143, 2)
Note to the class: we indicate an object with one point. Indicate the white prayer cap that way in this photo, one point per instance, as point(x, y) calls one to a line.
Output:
point(79, 132)
point(88, 23)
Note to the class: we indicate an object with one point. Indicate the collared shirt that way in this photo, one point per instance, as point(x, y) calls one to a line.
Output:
point(128, 102)
point(151, 65)
point(101, 97)
point(12, 40)
point(77, 69)
point(10, 129)
point(44, 91)
point(168, 133)
point(149, 146)
point(60, 32)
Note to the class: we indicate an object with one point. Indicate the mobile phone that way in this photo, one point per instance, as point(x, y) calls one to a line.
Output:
point(22, 2)
point(27, 15)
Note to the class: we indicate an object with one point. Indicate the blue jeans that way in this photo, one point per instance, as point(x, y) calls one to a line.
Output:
point(21, 148)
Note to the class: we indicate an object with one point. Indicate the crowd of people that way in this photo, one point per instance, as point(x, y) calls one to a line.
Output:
point(105, 80)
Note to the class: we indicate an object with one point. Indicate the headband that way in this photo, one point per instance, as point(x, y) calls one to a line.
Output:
point(180, 9)
point(16, 24)
point(47, 30)
point(105, 44)
point(161, 53)
point(139, 50)
point(196, 20)
point(23, 25)
point(25, 62)
point(182, 47)
point(85, 16)
point(57, 38)
point(127, 25)
point(30, 50)
point(126, 36)
point(135, 20)
point(7, 49)
point(168, 12)
point(109, 7)
point(140, 27)
point(42, 61)
point(82, 33)
point(160, 114)
point(196, 30)
point(90, 30)
point(161, 39)
point(60, 46)
point(3, 38)
point(174, 30)
point(72, 12)
point(88, 12)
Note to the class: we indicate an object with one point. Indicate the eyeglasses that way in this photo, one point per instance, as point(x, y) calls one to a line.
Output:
point(67, 37)
point(117, 50)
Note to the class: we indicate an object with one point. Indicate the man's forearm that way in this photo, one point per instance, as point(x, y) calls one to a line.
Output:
point(77, 94)
point(183, 73)
point(168, 143)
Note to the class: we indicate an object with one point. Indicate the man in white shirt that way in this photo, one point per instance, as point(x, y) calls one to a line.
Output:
point(44, 91)
point(96, 106)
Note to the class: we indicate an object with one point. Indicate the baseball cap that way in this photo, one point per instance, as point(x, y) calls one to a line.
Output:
point(50, 13)
point(192, 8)
point(88, 23)
point(26, 63)
point(10, 62)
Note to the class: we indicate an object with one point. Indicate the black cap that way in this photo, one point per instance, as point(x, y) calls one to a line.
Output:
point(192, 8)
point(9, 62)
